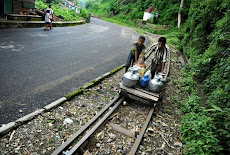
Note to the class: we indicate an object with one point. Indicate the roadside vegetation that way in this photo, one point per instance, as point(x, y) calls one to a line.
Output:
point(60, 11)
point(204, 38)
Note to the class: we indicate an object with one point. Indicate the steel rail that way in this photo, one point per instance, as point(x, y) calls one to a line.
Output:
point(143, 129)
point(82, 129)
point(83, 139)
point(138, 140)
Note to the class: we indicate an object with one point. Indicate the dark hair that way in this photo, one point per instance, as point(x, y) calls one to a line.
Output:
point(142, 37)
point(47, 11)
point(50, 6)
point(162, 39)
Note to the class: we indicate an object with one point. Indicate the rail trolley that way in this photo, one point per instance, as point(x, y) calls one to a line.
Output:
point(144, 95)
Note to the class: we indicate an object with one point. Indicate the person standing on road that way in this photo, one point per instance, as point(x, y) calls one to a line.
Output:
point(136, 50)
point(159, 58)
point(88, 18)
point(51, 15)
point(47, 20)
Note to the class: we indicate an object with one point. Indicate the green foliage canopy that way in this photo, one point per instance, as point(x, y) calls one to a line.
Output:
point(134, 9)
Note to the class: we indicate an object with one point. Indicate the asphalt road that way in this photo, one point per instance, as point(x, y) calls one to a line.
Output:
point(38, 67)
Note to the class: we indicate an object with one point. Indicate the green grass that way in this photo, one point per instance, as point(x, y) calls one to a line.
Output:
point(60, 11)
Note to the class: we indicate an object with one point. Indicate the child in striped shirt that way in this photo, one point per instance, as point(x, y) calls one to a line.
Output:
point(159, 59)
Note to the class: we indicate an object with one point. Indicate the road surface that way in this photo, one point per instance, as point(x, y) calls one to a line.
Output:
point(38, 67)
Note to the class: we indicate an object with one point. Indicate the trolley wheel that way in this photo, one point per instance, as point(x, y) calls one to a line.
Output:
point(123, 93)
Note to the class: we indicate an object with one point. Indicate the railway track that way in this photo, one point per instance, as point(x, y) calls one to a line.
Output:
point(77, 143)
point(82, 142)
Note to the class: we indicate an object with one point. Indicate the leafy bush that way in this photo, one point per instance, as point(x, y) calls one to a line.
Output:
point(206, 38)
point(64, 13)
point(219, 77)
point(206, 43)
point(41, 5)
point(192, 104)
point(168, 11)
point(187, 84)
point(174, 38)
point(83, 13)
point(218, 107)
point(197, 131)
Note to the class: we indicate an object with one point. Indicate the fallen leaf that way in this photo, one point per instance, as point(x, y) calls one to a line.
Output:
point(113, 115)
point(50, 120)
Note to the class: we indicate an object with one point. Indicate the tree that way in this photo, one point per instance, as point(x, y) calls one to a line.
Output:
point(179, 13)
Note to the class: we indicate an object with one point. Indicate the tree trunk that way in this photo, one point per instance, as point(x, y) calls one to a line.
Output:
point(179, 13)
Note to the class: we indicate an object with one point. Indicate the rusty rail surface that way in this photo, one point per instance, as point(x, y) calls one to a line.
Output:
point(138, 140)
point(117, 102)
point(85, 127)
point(83, 139)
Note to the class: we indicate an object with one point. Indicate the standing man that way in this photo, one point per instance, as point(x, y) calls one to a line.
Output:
point(159, 58)
point(88, 18)
point(51, 15)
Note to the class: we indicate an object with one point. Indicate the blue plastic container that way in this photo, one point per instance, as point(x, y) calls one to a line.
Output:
point(144, 81)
